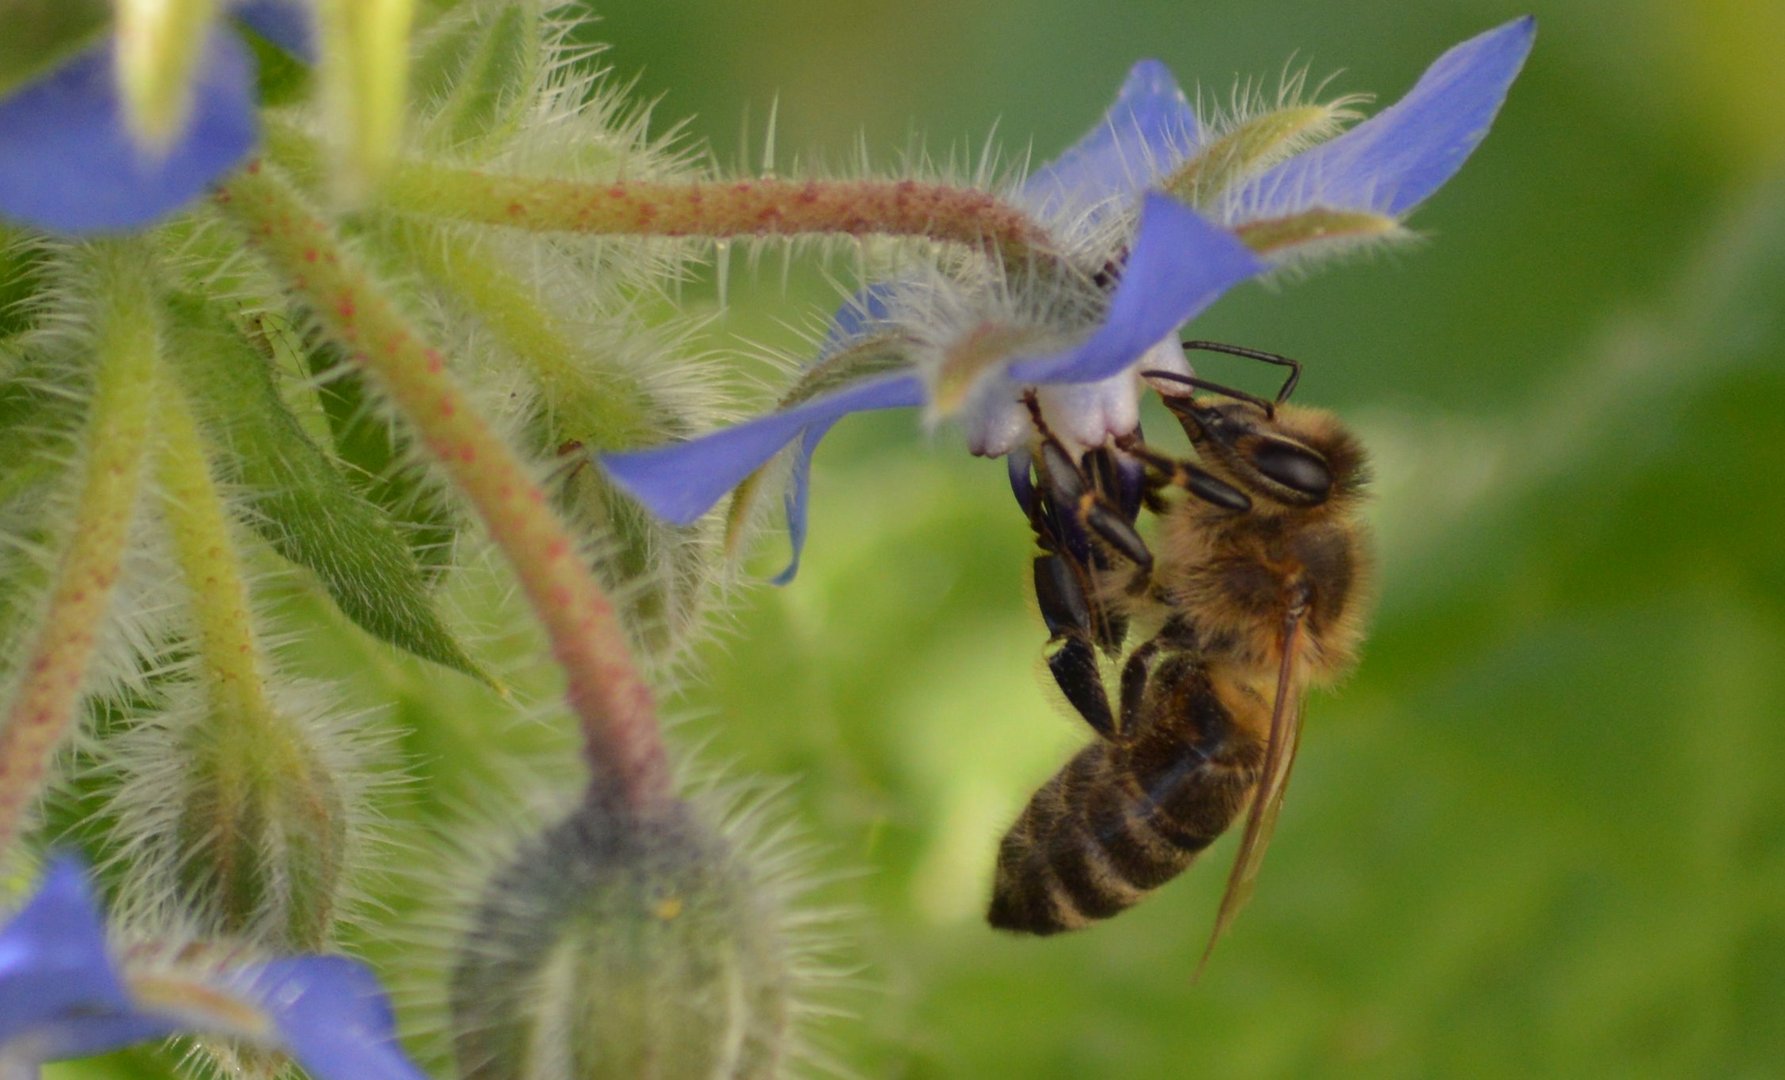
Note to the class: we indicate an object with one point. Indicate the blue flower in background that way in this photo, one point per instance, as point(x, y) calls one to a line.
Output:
point(1172, 265)
point(70, 163)
point(63, 994)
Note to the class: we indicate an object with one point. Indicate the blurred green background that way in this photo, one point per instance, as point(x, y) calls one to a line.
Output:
point(1542, 831)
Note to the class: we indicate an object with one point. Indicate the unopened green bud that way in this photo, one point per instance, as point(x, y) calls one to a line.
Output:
point(262, 832)
point(623, 945)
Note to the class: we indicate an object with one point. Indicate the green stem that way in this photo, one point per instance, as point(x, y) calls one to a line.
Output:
point(605, 688)
point(206, 552)
point(716, 209)
point(47, 700)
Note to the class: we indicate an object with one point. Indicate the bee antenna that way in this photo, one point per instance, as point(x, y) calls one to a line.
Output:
point(1268, 408)
point(1294, 366)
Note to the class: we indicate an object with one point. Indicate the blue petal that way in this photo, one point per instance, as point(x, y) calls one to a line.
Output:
point(288, 24)
point(679, 483)
point(859, 316)
point(1393, 161)
point(1179, 265)
point(1150, 128)
point(59, 993)
point(332, 1017)
point(799, 484)
point(70, 165)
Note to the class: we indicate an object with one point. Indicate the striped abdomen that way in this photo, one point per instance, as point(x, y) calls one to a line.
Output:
point(1124, 817)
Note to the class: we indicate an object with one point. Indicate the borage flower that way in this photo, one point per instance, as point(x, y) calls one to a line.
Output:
point(77, 158)
point(63, 994)
point(1218, 201)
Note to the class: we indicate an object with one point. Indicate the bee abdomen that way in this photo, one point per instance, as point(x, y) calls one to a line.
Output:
point(1094, 841)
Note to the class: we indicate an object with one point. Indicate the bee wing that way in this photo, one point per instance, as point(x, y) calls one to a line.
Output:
point(1267, 798)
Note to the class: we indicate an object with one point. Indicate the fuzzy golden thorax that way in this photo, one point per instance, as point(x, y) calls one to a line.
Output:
point(1234, 576)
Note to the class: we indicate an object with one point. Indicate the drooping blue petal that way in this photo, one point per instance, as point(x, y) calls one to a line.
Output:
point(332, 1017)
point(1391, 162)
point(60, 996)
point(799, 485)
point(1149, 129)
point(681, 482)
point(1180, 264)
point(289, 24)
point(70, 164)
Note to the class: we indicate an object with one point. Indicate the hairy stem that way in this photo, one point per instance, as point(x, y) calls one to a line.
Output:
point(606, 690)
point(47, 699)
point(718, 209)
point(199, 525)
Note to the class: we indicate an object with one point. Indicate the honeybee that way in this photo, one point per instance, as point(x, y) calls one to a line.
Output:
point(1256, 592)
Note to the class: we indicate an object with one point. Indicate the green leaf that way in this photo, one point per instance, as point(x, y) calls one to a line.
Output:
point(479, 70)
point(378, 455)
point(303, 504)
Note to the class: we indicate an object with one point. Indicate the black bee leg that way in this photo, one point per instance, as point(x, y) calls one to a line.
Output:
point(1072, 658)
point(1191, 477)
point(1069, 488)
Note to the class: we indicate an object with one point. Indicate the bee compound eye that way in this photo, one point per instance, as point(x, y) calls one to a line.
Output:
point(1298, 469)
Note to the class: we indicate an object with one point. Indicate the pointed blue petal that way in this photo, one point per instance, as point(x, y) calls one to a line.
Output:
point(1150, 128)
point(288, 24)
point(59, 993)
point(1391, 162)
point(71, 166)
point(53, 957)
point(681, 482)
point(332, 1017)
point(1180, 264)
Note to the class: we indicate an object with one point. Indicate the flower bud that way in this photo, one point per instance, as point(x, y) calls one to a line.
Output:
point(623, 944)
point(262, 831)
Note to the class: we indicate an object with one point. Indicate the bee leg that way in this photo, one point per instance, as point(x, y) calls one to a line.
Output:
point(1072, 659)
point(1191, 477)
point(1068, 487)
point(1089, 501)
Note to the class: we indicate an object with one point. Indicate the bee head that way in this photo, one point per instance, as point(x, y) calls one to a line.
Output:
point(1248, 441)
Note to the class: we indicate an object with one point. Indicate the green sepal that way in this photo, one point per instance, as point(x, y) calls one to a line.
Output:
point(304, 506)
point(1319, 227)
point(477, 71)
